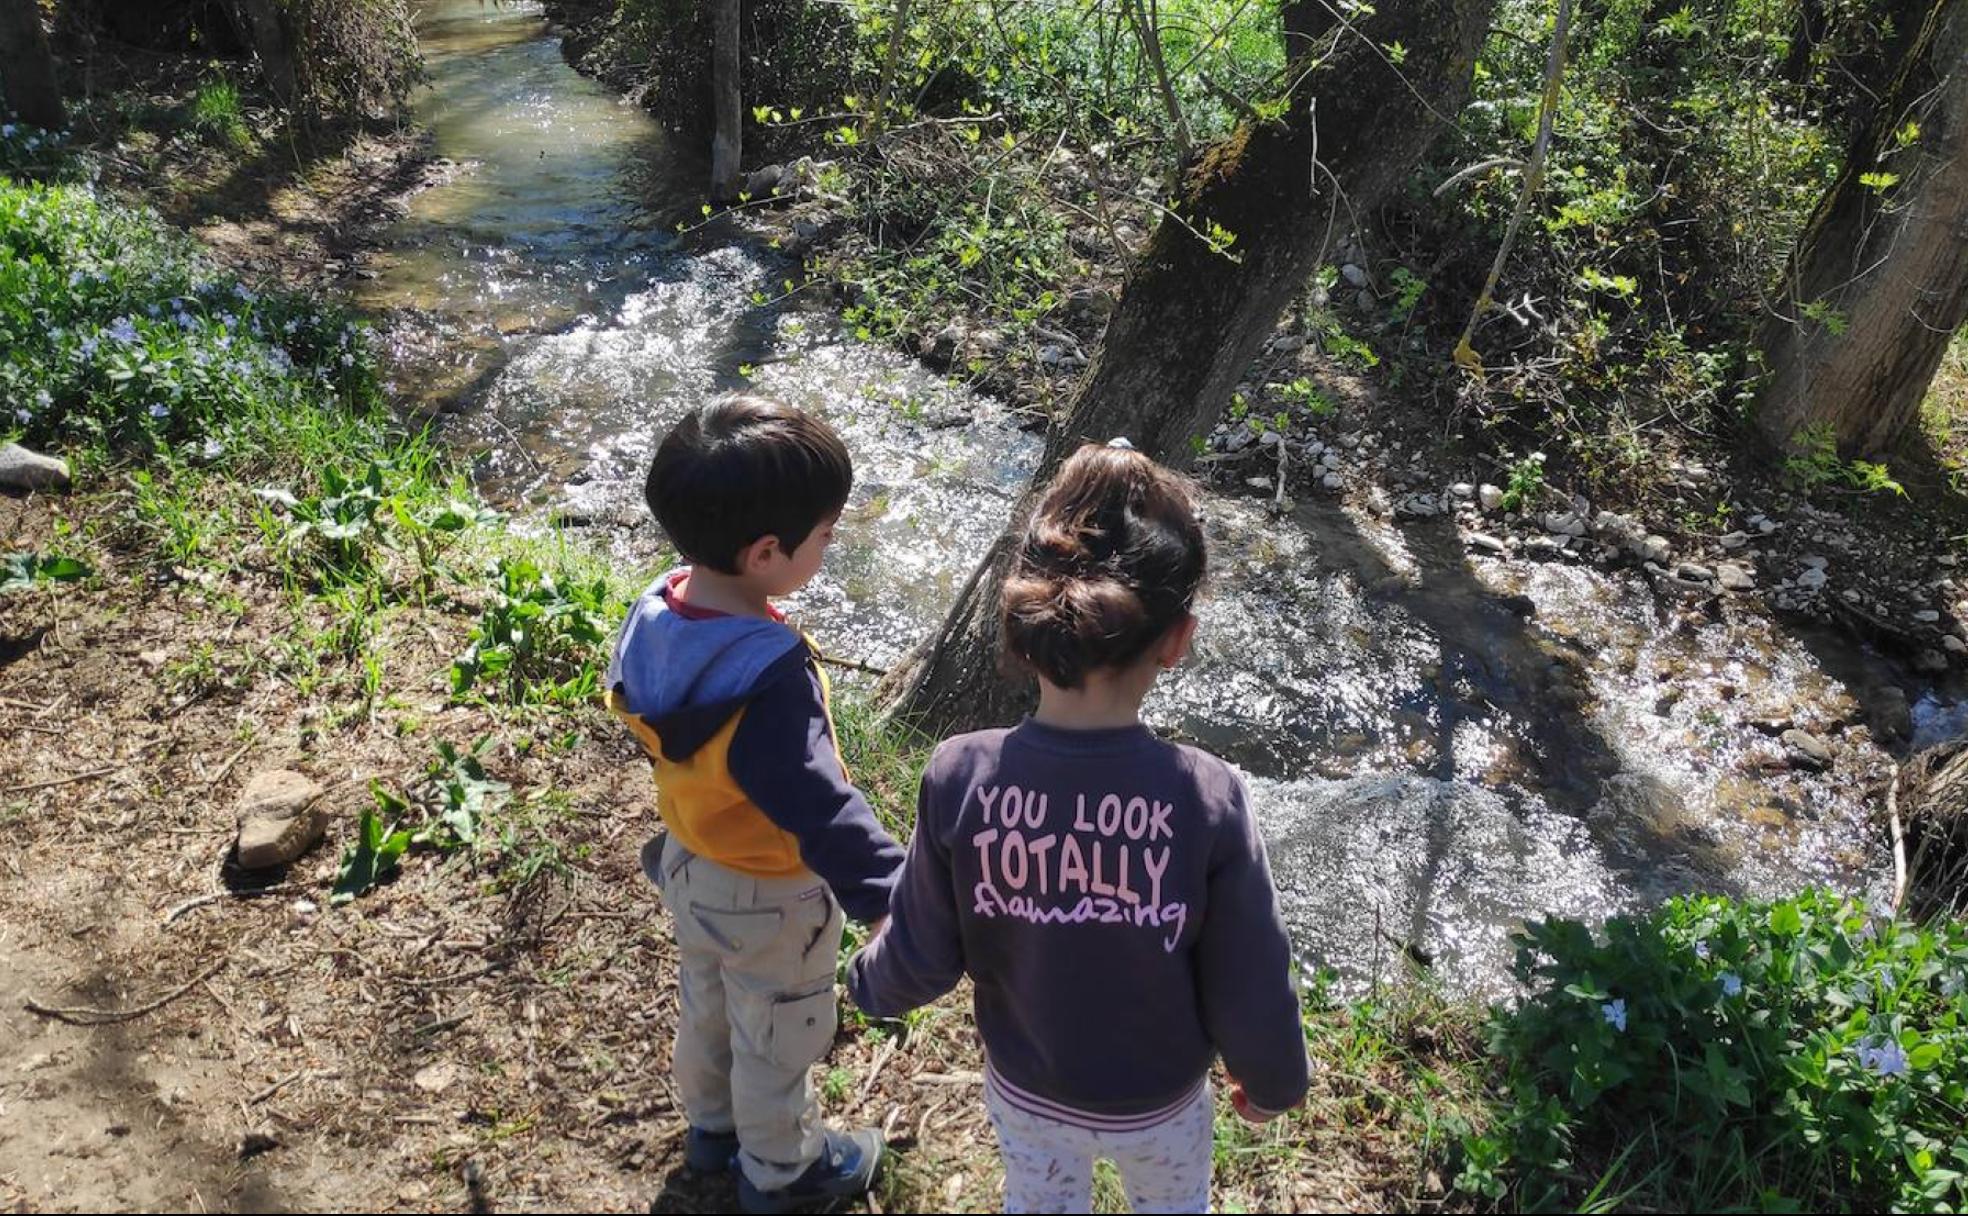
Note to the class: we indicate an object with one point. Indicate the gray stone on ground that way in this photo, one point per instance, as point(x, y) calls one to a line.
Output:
point(1806, 750)
point(21, 469)
point(1735, 578)
point(1491, 497)
point(278, 819)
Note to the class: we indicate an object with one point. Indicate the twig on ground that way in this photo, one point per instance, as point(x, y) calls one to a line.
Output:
point(48, 785)
point(219, 896)
point(77, 1015)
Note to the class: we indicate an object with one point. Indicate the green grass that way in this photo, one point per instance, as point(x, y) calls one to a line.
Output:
point(214, 114)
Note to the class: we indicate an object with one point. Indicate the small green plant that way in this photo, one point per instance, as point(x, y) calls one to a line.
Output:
point(215, 116)
point(376, 851)
point(1814, 463)
point(1804, 1053)
point(344, 521)
point(1526, 483)
point(1307, 396)
point(541, 636)
point(839, 1083)
point(20, 571)
point(1409, 287)
point(463, 796)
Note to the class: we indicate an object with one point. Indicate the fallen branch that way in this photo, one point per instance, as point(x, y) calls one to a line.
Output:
point(76, 1015)
point(853, 665)
point(48, 785)
point(1899, 843)
point(219, 896)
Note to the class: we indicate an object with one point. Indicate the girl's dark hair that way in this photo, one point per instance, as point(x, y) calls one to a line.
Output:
point(744, 468)
point(1113, 557)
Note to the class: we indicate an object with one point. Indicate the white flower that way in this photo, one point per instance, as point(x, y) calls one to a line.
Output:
point(159, 410)
point(212, 450)
point(1615, 1014)
point(1731, 983)
point(43, 399)
point(348, 360)
point(1701, 949)
point(23, 417)
point(7, 131)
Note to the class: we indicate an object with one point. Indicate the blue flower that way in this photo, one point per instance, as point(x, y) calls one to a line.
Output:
point(1615, 1014)
point(159, 410)
point(1731, 983)
point(1885, 1058)
point(1701, 949)
point(7, 131)
point(1861, 993)
point(123, 330)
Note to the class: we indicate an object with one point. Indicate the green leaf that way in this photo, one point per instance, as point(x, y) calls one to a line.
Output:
point(375, 852)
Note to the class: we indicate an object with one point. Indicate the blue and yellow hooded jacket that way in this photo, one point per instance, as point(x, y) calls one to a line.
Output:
point(733, 711)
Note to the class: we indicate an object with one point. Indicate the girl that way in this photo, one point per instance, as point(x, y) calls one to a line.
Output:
point(1106, 891)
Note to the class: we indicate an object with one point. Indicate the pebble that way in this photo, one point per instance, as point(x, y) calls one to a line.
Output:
point(1811, 578)
point(1735, 540)
point(1954, 645)
point(1463, 489)
point(1268, 439)
point(1491, 497)
point(1927, 615)
point(1332, 481)
point(1735, 578)
point(1931, 661)
point(1654, 549)
point(1817, 562)
point(1806, 750)
point(1285, 344)
point(1489, 544)
point(1699, 573)
point(278, 819)
point(1353, 274)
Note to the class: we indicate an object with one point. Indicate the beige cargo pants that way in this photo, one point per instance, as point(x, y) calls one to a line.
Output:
point(758, 1005)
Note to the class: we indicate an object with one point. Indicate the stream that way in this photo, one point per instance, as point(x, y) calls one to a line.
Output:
point(1438, 745)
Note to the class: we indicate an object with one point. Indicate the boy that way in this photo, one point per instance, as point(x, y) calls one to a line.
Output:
point(767, 843)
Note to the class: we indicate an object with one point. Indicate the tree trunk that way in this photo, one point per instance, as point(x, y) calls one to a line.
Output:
point(1878, 283)
point(27, 66)
point(1191, 319)
point(267, 33)
point(1933, 804)
point(727, 136)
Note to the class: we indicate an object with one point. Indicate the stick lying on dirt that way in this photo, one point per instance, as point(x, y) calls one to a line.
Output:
point(82, 1016)
point(220, 896)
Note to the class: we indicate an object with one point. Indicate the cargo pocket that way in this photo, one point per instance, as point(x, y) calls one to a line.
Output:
point(802, 1027)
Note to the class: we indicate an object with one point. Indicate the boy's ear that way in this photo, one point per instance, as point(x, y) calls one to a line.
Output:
point(759, 554)
point(1176, 642)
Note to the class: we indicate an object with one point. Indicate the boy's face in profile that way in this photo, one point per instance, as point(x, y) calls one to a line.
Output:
point(781, 573)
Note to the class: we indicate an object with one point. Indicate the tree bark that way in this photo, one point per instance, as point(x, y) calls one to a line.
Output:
point(1932, 792)
point(1878, 282)
point(268, 34)
point(727, 136)
point(27, 66)
point(1191, 319)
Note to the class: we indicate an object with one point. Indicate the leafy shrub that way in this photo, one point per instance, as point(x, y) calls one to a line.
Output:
point(541, 635)
point(1802, 1052)
point(114, 333)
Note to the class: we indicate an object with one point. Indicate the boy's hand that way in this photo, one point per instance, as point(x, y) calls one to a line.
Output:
point(1241, 1103)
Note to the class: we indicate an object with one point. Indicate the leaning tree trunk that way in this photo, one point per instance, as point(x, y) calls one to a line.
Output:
point(1932, 795)
point(27, 66)
point(1878, 283)
point(267, 31)
point(728, 116)
point(1193, 314)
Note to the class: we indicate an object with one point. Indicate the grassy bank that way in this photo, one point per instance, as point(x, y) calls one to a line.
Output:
point(260, 565)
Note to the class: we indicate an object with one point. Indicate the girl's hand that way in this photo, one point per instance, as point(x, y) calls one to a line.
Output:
point(1241, 1103)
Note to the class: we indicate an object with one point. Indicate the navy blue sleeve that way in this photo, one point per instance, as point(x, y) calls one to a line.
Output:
point(1250, 1008)
point(918, 956)
point(783, 756)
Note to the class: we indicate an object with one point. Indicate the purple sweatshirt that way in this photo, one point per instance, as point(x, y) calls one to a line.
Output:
point(1109, 897)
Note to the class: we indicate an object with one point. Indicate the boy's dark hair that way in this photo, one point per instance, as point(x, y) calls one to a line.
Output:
point(1113, 557)
point(744, 468)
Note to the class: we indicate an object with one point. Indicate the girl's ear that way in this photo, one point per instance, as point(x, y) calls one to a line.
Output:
point(1175, 643)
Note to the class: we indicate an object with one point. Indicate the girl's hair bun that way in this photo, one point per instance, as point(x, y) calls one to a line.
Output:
point(1111, 560)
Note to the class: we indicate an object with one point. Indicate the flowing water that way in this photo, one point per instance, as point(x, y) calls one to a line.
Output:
point(1437, 747)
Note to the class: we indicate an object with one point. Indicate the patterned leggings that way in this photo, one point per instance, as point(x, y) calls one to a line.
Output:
point(1049, 1164)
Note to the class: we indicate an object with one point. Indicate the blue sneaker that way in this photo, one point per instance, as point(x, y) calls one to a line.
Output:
point(844, 1169)
point(709, 1152)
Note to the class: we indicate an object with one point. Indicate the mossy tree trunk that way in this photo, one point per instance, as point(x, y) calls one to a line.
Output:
point(27, 66)
point(1878, 283)
point(1194, 312)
